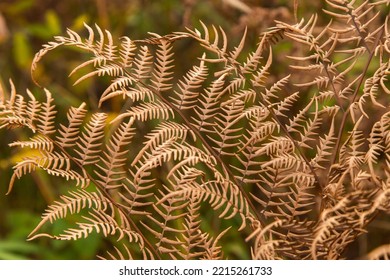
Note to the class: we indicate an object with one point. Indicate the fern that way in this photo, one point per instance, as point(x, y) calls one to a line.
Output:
point(297, 164)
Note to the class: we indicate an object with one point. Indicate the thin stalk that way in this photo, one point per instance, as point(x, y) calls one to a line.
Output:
point(355, 94)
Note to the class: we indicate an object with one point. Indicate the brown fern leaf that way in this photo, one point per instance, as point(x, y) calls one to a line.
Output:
point(88, 145)
point(111, 171)
point(69, 134)
point(73, 203)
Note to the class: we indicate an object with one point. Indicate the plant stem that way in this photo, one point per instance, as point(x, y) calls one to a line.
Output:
point(355, 94)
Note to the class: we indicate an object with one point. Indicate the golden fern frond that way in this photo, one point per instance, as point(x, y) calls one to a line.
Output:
point(39, 142)
point(165, 130)
point(148, 111)
point(192, 236)
point(341, 222)
point(88, 144)
point(143, 64)
point(116, 88)
point(213, 250)
point(127, 51)
point(254, 57)
point(112, 170)
point(208, 105)
point(264, 248)
point(15, 112)
point(215, 46)
point(286, 188)
point(189, 88)
point(286, 104)
point(371, 87)
point(353, 155)
point(303, 125)
point(57, 164)
point(137, 195)
point(357, 16)
point(223, 196)
point(97, 221)
point(72, 203)
point(381, 202)
point(274, 89)
point(259, 77)
point(70, 134)
point(226, 133)
point(171, 150)
point(162, 225)
point(30, 165)
point(47, 115)
point(182, 175)
point(324, 148)
point(162, 75)
point(330, 220)
point(229, 137)
point(376, 144)
point(138, 93)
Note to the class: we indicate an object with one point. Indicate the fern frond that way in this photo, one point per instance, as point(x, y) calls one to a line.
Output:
point(171, 150)
point(192, 236)
point(216, 46)
point(111, 171)
point(286, 104)
point(98, 222)
point(165, 130)
point(88, 144)
point(162, 74)
point(264, 250)
point(148, 111)
point(127, 51)
point(226, 197)
point(208, 105)
point(213, 250)
point(324, 148)
point(189, 88)
point(167, 212)
point(137, 93)
point(143, 63)
point(70, 134)
point(47, 115)
point(39, 142)
point(73, 203)
point(229, 136)
point(259, 77)
point(16, 112)
point(226, 134)
point(53, 165)
point(137, 195)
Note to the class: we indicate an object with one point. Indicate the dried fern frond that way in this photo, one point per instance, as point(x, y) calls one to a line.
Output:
point(294, 164)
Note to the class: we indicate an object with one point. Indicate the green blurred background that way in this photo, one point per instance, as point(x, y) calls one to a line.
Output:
point(27, 24)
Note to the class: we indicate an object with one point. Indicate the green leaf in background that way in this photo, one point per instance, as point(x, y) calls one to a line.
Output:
point(16, 249)
point(53, 22)
point(22, 52)
point(20, 6)
point(78, 23)
point(48, 29)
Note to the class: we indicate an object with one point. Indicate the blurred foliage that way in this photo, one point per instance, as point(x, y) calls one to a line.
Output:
point(27, 24)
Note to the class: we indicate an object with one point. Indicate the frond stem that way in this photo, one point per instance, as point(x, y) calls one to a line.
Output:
point(274, 116)
point(346, 113)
